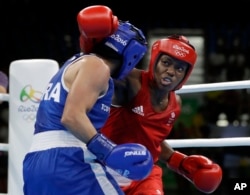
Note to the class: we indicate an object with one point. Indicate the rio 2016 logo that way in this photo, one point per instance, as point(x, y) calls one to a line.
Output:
point(28, 93)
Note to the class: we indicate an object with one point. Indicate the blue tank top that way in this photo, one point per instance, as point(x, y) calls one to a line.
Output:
point(51, 107)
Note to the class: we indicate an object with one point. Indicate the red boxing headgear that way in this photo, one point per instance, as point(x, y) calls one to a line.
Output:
point(177, 47)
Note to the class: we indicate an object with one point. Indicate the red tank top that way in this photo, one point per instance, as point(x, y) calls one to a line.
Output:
point(137, 122)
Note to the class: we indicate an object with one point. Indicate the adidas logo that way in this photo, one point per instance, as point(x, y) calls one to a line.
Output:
point(138, 110)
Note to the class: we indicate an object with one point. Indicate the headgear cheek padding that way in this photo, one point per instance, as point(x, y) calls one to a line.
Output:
point(133, 53)
point(177, 47)
point(129, 42)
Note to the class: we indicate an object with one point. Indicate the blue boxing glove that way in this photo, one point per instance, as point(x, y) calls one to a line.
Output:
point(130, 160)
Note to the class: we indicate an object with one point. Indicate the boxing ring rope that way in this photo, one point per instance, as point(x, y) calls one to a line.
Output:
point(182, 143)
point(212, 142)
point(4, 97)
point(214, 87)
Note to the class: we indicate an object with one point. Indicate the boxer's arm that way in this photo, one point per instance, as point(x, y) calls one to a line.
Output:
point(83, 94)
point(127, 88)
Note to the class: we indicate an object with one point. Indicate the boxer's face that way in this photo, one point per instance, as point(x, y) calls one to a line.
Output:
point(169, 72)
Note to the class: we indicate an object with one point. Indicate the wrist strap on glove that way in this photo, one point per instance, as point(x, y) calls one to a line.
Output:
point(100, 146)
point(175, 161)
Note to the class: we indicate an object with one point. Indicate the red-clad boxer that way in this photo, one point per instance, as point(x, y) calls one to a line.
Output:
point(144, 110)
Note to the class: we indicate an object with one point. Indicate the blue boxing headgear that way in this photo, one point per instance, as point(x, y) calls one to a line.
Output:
point(129, 42)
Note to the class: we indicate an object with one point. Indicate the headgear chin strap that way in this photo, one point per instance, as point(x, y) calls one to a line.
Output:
point(176, 46)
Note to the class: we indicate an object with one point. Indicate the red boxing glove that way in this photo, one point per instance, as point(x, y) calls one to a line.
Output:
point(202, 172)
point(97, 21)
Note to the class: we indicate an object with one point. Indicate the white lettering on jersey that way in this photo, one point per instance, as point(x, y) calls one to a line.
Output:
point(53, 92)
point(105, 108)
